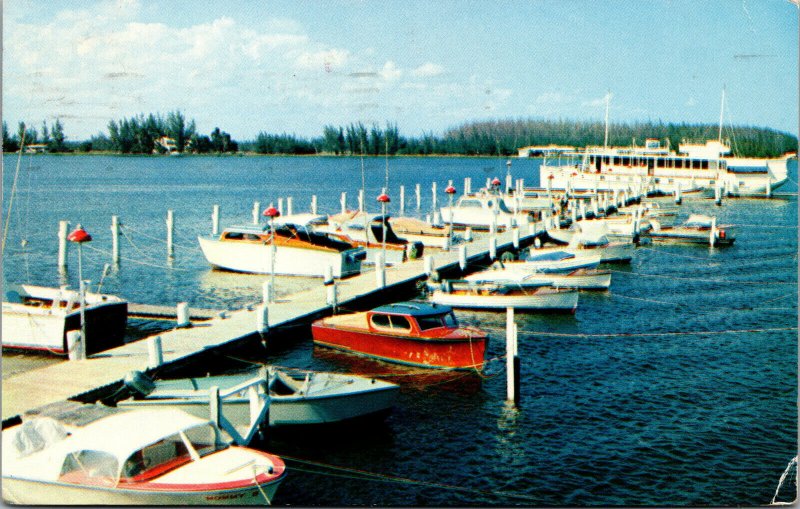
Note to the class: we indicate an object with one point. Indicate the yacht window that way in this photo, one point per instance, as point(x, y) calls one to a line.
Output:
point(234, 235)
point(400, 322)
point(704, 165)
point(381, 321)
point(251, 236)
point(429, 322)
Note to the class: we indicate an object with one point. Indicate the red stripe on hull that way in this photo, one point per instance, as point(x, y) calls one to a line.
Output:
point(433, 353)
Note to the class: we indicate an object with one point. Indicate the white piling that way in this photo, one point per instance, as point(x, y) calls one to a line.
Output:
point(468, 234)
point(256, 212)
point(515, 238)
point(280, 206)
point(331, 296)
point(678, 197)
point(512, 358)
point(215, 220)
point(462, 257)
point(76, 349)
point(170, 236)
point(155, 355)
point(418, 192)
point(289, 205)
point(433, 196)
point(214, 406)
point(437, 217)
point(492, 248)
point(343, 202)
point(718, 194)
point(314, 204)
point(429, 263)
point(183, 315)
point(380, 271)
point(115, 240)
point(361, 200)
point(266, 291)
point(712, 234)
point(262, 319)
point(402, 200)
point(467, 185)
point(768, 188)
point(63, 228)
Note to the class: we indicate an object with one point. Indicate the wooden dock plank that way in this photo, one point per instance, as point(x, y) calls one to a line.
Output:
point(65, 380)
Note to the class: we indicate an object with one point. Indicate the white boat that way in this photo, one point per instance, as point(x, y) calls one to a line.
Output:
point(365, 230)
point(473, 295)
point(560, 260)
point(516, 273)
point(691, 168)
point(481, 211)
point(299, 251)
point(295, 397)
point(415, 230)
point(698, 229)
point(110, 456)
point(615, 228)
point(38, 318)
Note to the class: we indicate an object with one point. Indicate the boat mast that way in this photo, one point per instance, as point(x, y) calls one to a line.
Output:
point(608, 101)
point(721, 113)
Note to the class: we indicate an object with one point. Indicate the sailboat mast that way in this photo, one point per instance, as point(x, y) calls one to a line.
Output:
point(721, 114)
point(608, 101)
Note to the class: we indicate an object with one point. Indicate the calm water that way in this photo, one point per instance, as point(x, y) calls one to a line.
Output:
point(677, 387)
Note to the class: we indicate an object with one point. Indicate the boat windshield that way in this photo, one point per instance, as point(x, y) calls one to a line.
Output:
point(434, 321)
point(90, 467)
point(172, 452)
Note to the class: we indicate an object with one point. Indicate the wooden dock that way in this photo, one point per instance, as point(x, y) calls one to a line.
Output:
point(71, 379)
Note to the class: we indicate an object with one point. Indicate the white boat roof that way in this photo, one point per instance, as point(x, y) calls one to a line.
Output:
point(304, 219)
point(123, 433)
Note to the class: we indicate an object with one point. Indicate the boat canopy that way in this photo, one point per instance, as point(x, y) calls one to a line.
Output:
point(550, 256)
point(413, 308)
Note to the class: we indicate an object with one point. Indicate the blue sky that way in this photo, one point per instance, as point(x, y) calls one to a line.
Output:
point(295, 66)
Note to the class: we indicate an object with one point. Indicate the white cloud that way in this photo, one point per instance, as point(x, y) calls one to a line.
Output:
point(390, 72)
point(427, 70)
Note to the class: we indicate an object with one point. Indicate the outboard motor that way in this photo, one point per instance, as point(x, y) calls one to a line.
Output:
point(139, 384)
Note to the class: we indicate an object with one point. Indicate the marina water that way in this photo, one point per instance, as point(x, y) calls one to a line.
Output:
point(676, 387)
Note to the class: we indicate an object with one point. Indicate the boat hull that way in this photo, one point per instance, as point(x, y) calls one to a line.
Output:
point(689, 237)
point(256, 258)
point(38, 328)
point(556, 301)
point(465, 353)
point(33, 492)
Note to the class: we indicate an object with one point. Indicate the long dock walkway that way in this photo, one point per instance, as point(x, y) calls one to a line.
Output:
point(69, 379)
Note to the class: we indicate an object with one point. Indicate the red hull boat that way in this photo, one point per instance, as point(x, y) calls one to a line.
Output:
point(413, 333)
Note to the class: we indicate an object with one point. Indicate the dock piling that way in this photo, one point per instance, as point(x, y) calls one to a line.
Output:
point(115, 240)
point(402, 200)
point(280, 206)
point(361, 200)
point(418, 192)
point(183, 315)
point(515, 238)
point(262, 318)
point(343, 202)
point(467, 185)
point(289, 205)
point(170, 236)
point(493, 248)
point(433, 198)
point(155, 355)
point(266, 291)
point(215, 220)
point(462, 257)
point(512, 359)
point(678, 198)
point(314, 204)
point(256, 212)
point(468, 234)
point(63, 228)
point(76, 348)
point(380, 271)
point(429, 264)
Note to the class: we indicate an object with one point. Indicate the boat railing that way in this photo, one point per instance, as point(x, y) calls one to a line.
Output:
point(259, 400)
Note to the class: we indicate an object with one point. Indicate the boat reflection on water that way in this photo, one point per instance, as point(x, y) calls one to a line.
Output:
point(407, 377)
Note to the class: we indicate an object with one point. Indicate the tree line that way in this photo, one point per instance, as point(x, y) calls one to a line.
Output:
point(156, 133)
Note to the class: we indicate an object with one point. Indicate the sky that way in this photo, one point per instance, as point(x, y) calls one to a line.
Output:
point(294, 66)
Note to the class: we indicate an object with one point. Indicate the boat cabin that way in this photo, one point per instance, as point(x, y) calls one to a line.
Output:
point(411, 318)
point(285, 234)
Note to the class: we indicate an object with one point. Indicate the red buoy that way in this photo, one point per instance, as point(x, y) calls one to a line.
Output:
point(79, 235)
point(271, 212)
point(496, 181)
point(450, 190)
point(384, 198)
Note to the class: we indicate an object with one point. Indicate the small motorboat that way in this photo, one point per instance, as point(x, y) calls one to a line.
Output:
point(413, 333)
point(698, 229)
point(560, 260)
point(481, 211)
point(296, 397)
point(492, 295)
point(299, 251)
point(38, 318)
point(430, 235)
point(366, 231)
point(517, 273)
point(109, 456)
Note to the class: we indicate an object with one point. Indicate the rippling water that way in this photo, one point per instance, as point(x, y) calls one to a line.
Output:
point(677, 387)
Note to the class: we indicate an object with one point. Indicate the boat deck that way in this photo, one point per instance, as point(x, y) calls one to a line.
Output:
point(32, 389)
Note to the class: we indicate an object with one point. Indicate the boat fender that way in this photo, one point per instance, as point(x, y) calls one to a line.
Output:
point(537, 243)
point(139, 384)
point(415, 250)
point(508, 256)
